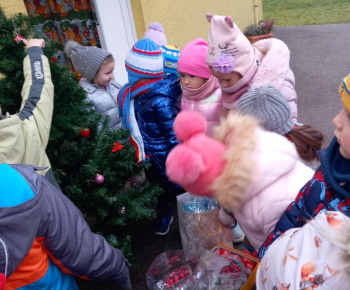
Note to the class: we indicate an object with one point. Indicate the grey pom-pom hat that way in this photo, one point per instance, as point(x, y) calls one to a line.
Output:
point(268, 105)
point(87, 60)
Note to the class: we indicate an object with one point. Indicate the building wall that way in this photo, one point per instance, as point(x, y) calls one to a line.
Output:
point(11, 7)
point(184, 20)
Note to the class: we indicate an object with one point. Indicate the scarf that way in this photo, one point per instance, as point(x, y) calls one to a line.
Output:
point(126, 106)
point(203, 92)
point(337, 168)
point(231, 95)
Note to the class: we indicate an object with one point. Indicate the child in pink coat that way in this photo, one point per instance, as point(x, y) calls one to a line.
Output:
point(252, 173)
point(200, 90)
point(240, 66)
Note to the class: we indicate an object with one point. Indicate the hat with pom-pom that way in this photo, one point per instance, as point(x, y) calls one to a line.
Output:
point(86, 60)
point(144, 60)
point(155, 32)
point(199, 160)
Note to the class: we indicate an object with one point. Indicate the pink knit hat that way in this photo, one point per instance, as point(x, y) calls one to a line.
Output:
point(192, 59)
point(199, 160)
point(229, 49)
point(155, 32)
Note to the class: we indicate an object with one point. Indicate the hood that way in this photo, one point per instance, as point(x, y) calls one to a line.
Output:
point(275, 64)
point(254, 160)
point(169, 86)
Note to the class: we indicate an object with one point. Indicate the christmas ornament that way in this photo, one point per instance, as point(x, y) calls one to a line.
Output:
point(117, 147)
point(99, 178)
point(85, 132)
point(122, 211)
point(18, 38)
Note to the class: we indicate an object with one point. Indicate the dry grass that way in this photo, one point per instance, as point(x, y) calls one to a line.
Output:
point(307, 12)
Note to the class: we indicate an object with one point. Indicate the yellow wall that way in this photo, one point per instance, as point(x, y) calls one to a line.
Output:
point(13, 6)
point(184, 20)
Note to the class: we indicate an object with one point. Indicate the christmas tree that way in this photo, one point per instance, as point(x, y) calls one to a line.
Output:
point(94, 167)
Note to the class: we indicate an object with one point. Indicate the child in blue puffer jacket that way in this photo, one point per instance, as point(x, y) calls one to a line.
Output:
point(329, 188)
point(148, 105)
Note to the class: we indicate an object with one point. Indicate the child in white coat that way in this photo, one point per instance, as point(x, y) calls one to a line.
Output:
point(96, 65)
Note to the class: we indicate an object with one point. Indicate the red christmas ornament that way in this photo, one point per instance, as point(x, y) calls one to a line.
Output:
point(117, 147)
point(85, 132)
point(99, 178)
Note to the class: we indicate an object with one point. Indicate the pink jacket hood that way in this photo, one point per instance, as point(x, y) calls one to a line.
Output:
point(275, 70)
point(261, 178)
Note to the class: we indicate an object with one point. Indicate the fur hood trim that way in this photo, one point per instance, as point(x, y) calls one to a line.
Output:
point(237, 132)
point(275, 64)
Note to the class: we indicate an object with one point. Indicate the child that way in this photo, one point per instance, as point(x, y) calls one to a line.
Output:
point(26, 134)
point(252, 173)
point(268, 105)
point(170, 53)
point(314, 256)
point(96, 65)
point(200, 90)
point(239, 66)
point(44, 239)
point(328, 189)
point(148, 105)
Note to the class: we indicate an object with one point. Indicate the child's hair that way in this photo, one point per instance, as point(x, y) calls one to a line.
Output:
point(269, 106)
point(307, 141)
point(108, 60)
point(86, 60)
point(192, 59)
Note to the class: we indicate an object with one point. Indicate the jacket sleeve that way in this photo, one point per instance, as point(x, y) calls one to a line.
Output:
point(288, 91)
point(72, 246)
point(291, 218)
point(37, 93)
point(166, 114)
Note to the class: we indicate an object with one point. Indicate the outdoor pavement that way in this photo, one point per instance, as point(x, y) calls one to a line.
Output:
point(320, 59)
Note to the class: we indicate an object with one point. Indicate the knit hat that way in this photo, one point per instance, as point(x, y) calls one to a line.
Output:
point(199, 160)
point(344, 92)
point(155, 32)
point(229, 49)
point(144, 60)
point(171, 56)
point(269, 106)
point(192, 60)
point(87, 60)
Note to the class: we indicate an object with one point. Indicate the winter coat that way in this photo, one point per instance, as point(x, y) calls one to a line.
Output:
point(24, 136)
point(327, 190)
point(274, 69)
point(44, 235)
point(261, 177)
point(205, 101)
point(155, 113)
point(105, 102)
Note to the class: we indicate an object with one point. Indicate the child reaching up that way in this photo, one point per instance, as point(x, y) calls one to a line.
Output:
point(240, 66)
point(329, 188)
point(200, 90)
point(96, 65)
point(252, 173)
point(268, 105)
point(148, 105)
point(314, 256)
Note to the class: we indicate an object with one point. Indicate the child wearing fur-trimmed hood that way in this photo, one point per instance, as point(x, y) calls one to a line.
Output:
point(240, 66)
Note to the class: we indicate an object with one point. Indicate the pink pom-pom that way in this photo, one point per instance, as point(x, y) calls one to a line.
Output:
point(189, 123)
point(183, 165)
point(156, 26)
point(224, 63)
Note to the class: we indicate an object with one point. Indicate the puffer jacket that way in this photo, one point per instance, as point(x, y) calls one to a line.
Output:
point(40, 245)
point(261, 177)
point(24, 136)
point(105, 102)
point(327, 190)
point(205, 100)
point(275, 70)
point(155, 113)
